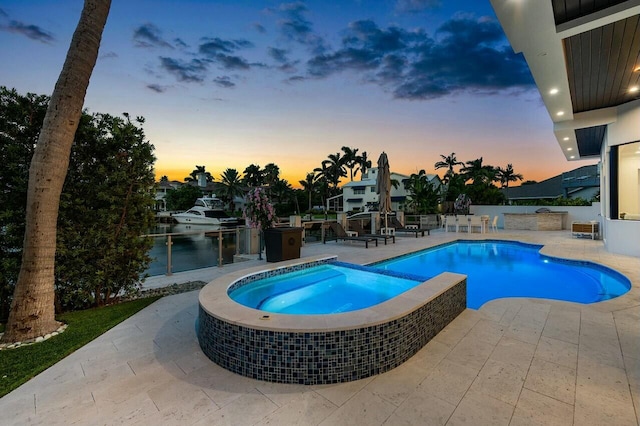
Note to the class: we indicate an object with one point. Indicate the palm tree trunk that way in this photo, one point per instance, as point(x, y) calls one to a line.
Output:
point(32, 309)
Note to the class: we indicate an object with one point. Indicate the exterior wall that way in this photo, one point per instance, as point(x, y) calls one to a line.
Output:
point(161, 193)
point(626, 128)
point(620, 236)
point(574, 214)
point(369, 196)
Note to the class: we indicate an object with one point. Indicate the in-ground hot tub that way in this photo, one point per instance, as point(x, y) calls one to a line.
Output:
point(321, 349)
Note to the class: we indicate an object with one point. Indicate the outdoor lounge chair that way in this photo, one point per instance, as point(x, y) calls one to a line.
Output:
point(356, 226)
point(341, 234)
point(393, 222)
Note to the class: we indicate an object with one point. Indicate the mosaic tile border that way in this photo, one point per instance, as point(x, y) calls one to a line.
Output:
point(278, 271)
point(327, 356)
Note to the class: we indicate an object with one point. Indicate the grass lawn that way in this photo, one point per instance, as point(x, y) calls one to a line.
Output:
point(19, 365)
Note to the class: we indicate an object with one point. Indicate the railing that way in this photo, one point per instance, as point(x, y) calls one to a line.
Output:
point(313, 231)
point(430, 221)
point(211, 233)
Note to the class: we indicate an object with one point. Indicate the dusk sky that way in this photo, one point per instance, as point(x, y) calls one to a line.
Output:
point(226, 84)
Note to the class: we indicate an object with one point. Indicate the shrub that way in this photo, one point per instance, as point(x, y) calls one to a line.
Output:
point(105, 206)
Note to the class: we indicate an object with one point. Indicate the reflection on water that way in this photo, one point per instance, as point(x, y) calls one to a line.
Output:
point(193, 251)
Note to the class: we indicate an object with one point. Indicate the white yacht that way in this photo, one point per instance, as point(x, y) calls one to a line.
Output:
point(206, 211)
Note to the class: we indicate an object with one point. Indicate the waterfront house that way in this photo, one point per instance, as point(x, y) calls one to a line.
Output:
point(583, 182)
point(585, 60)
point(362, 196)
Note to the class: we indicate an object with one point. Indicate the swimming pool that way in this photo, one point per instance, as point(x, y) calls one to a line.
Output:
point(495, 269)
point(324, 289)
point(498, 269)
point(345, 345)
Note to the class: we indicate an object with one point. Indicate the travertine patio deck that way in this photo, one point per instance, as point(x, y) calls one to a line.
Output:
point(513, 362)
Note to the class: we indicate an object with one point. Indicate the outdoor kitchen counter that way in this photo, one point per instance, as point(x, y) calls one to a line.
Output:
point(552, 221)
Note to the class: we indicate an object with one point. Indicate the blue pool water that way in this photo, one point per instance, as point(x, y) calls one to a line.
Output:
point(324, 289)
point(504, 269)
point(494, 270)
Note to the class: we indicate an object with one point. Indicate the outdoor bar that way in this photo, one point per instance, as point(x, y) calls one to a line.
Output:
point(543, 221)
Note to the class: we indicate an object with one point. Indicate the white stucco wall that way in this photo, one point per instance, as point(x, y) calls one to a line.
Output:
point(626, 128)
point(574, 214)
point(620, 236)
point(629, 196)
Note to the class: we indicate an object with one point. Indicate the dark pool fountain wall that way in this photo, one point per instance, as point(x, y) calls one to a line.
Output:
point(322, 349)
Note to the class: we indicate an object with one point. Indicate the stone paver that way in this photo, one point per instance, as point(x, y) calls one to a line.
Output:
point(512, 362)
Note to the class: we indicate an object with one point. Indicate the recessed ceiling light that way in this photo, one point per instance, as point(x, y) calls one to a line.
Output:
point(560, 113)
point(633, 89)
point(636, 69)
point(566, 138)
point(569, 149)
point(572, 157)
point(553, 91)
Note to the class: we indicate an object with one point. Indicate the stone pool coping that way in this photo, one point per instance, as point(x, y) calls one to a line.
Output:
point(214, 299)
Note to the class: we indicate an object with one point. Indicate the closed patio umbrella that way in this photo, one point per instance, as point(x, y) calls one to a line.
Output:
point(383, 186)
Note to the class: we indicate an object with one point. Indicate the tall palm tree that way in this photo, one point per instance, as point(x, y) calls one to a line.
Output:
point(507, 175)
point(199, 170)
point(309, 184)
point(253, 176)
point(271, 174)
point(478, 173)
point(32, 309)
point(364, 164)
point(351, 159)
point(229, 187)
point(334, 169)
point(322, 182)
point(282, 190)
point(448, 162)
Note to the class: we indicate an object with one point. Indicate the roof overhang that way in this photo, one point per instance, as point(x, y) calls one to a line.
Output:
point(583, 59)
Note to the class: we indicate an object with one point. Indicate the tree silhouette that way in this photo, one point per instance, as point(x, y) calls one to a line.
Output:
point(364, 164)
point(309, 184)
point(351, 159)
point(229, 187)
point(199, 170)
point(253, 176)
point(507, 175)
